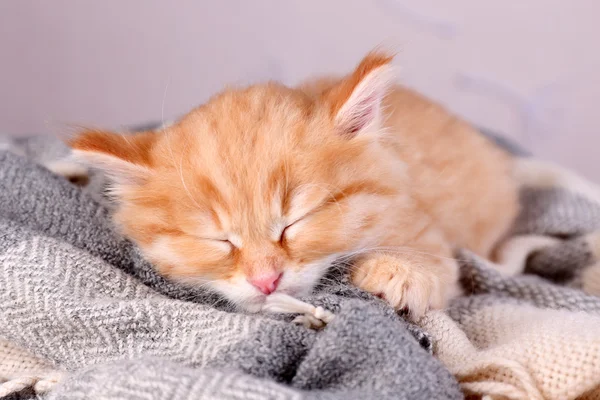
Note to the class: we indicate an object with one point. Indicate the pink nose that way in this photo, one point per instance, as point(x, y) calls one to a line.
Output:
point(266, 283)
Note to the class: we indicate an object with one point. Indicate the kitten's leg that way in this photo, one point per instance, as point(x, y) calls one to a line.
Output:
point(417, 279)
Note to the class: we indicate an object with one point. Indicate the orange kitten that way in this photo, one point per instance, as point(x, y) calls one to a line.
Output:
point(261, 189)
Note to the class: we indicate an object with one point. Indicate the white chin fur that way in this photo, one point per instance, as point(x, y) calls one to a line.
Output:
point(293, 283)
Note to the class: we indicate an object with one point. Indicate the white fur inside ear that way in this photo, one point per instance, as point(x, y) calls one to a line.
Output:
point(67, 168)
point(121, 172)
point(362, 110)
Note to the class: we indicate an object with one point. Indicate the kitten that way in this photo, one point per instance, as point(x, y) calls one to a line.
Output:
point(261, 189)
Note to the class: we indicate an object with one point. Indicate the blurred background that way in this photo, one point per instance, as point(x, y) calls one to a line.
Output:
point(524, 68)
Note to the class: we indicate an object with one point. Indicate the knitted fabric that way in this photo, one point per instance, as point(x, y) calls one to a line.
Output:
point(519, 338)
point(78, 296)
point(84, 301)
point(15, 361)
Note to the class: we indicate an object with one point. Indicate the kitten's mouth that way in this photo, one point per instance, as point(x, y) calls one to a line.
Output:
point(255, 303)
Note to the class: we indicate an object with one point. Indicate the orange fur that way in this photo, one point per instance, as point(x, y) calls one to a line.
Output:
point(270, 179)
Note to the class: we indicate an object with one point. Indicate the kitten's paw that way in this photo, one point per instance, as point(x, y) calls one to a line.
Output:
point(309, 321)
point(407, 286)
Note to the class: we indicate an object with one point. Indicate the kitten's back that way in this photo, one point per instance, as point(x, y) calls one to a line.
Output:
point(459, 177)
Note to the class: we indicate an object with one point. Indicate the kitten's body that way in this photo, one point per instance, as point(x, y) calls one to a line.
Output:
point(460, 178)
point(261, 189)
point(464, 192)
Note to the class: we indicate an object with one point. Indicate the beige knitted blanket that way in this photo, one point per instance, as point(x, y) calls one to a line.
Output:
point(520, 338)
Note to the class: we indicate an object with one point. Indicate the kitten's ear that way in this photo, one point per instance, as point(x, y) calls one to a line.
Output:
point(124, 158)
point(356, 101)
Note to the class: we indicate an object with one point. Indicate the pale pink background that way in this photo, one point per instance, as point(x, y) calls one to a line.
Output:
point(528, 67)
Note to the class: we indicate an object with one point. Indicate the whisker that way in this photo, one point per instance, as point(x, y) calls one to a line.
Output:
point(185, 186)
point(162, 108)
point(195, 283)
point(170, 148)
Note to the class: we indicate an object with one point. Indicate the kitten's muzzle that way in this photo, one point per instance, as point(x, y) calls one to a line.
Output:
point(268, 283)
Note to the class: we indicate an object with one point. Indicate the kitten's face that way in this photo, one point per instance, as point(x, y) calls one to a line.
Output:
point(259, 190)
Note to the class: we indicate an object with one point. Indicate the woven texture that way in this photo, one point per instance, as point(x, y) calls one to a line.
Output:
point(102, 323)
point(81, 298)
point(519, 338)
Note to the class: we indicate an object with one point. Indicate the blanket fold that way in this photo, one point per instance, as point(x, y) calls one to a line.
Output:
point(85, 316)
point(80, 297)
point(519, 338)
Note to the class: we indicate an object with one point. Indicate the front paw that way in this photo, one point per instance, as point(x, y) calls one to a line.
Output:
point(406, 286)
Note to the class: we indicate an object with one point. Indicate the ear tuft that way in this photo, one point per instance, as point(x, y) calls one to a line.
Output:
point(131, 147)
point(120, 172)
point(124, 158)
point(356, 101)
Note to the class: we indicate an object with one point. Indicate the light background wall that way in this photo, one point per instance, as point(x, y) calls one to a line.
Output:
point(527, 68)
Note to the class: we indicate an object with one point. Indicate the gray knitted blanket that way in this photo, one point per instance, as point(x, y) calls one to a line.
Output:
point(84, 316)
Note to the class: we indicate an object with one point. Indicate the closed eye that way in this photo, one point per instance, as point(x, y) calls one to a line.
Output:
point(225, 241)
point(221, 242)
point(308, 214)
point(282, 235)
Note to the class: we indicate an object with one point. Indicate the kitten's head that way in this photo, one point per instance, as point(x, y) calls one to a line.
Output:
point(260, 189)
